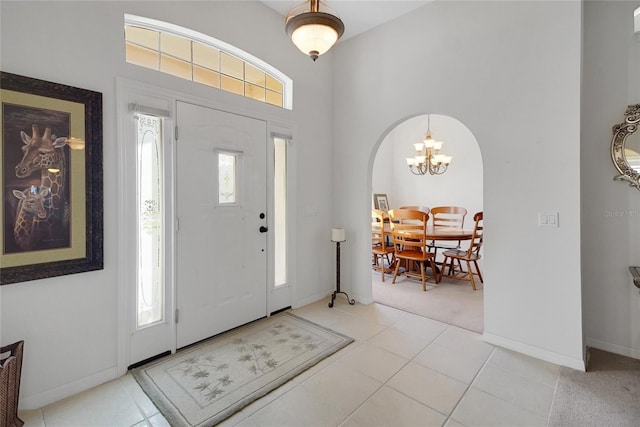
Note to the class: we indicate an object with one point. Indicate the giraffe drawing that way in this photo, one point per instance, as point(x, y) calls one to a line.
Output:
point(45, 153)
point(29, 215)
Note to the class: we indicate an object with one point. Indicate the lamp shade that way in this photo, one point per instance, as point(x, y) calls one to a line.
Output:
point(338, 235)
point(314, 38)
point(314, 32)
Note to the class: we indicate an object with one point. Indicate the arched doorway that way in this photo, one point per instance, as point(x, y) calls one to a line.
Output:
point(451, 301)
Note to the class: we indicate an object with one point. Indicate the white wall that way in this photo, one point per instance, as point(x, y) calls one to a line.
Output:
point(460, 185)
point(510, 71)
point(70, 323)
point(610, 210)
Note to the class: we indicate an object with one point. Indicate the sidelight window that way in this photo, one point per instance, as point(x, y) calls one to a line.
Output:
point(150, 283)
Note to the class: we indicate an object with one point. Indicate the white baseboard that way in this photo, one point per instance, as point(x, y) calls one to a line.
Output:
point(634, 353)
point(538, 353)
point(45, 398)
point(364, 300)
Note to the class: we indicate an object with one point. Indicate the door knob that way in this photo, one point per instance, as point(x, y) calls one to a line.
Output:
point(263, 229)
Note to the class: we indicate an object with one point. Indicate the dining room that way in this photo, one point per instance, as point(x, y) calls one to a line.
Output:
point(400, 181)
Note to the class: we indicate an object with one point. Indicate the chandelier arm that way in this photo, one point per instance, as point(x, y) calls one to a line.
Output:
point(434, 162)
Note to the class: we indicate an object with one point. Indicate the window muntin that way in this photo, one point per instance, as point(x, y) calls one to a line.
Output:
point(202, 59)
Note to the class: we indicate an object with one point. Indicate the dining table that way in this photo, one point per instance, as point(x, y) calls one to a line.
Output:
point(432, 233)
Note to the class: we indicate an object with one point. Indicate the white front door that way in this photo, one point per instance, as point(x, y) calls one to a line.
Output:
point(221, 194)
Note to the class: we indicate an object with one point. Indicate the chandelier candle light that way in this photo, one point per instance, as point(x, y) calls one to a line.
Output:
point(428, 157)
point(312, 31)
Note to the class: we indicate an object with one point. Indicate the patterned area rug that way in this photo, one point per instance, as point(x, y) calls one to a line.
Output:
point(204, 384)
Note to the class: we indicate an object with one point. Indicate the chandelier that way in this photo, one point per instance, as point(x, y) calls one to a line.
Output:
point(428, 157)
point(312, 31)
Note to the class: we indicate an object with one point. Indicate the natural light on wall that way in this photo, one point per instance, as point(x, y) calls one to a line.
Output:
point(203, 59)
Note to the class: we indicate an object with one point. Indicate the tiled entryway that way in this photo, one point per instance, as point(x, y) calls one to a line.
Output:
point(402, 370)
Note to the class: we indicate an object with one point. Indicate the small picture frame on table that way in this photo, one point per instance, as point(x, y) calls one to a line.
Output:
point(380, 202)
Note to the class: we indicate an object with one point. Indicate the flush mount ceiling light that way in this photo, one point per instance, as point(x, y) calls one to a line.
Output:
point(312, 31)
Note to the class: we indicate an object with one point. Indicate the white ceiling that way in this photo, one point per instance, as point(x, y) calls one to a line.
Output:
point(358, 15)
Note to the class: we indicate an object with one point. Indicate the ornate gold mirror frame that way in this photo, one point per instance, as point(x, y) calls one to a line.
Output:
point(621, 147)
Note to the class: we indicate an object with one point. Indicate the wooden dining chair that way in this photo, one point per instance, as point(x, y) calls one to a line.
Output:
point(449, 217)
point(409, 242)
point(381, 246)
point(471, 255)
point(417, 208)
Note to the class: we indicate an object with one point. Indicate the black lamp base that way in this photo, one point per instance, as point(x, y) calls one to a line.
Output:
point(338, 291)
point(333, 297)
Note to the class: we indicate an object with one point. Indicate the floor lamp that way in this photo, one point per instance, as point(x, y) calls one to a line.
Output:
point(338, 235)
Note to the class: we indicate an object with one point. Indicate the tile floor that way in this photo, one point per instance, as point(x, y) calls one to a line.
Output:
point(402, 370)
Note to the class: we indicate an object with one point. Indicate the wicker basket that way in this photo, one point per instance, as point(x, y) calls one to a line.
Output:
point(10, 369)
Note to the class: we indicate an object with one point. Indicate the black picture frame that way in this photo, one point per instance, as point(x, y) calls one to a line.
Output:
point(38, 108)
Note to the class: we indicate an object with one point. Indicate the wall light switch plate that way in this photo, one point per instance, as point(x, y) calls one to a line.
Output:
point(549, 219)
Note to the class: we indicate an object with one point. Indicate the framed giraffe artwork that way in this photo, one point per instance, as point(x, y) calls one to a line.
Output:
point(51, 205)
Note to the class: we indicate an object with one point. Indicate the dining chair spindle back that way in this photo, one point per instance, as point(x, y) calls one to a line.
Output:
point(411, 247)
point(381, 246)
point(446, 217)
point(471, 255)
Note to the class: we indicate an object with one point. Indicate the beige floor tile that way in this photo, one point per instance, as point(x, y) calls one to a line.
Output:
point(535, 369)
point(318, 367)
point(256, 405)
point(453, 423)
point(398, 342)
point(317, 313)
point(355, 327)
point(390, 408)
point(478, 408)
point(158, 421)
point(374, 362)
point(296, 408)
point(514, 388)
point(139, 397)
point(468, 342)
point(377, 313)
point(324, 400)
point(106, 405)
point(233, 420)
point(453, 363)
point(429, 387)
point(420, 327)
point(31, 418)
point(341, 389)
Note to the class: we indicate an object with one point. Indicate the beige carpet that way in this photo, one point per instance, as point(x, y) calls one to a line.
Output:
point(452, 301)
point(608, 394)
point(210, 381)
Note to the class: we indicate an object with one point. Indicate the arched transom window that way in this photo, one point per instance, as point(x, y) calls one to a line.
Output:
point(203, 59)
